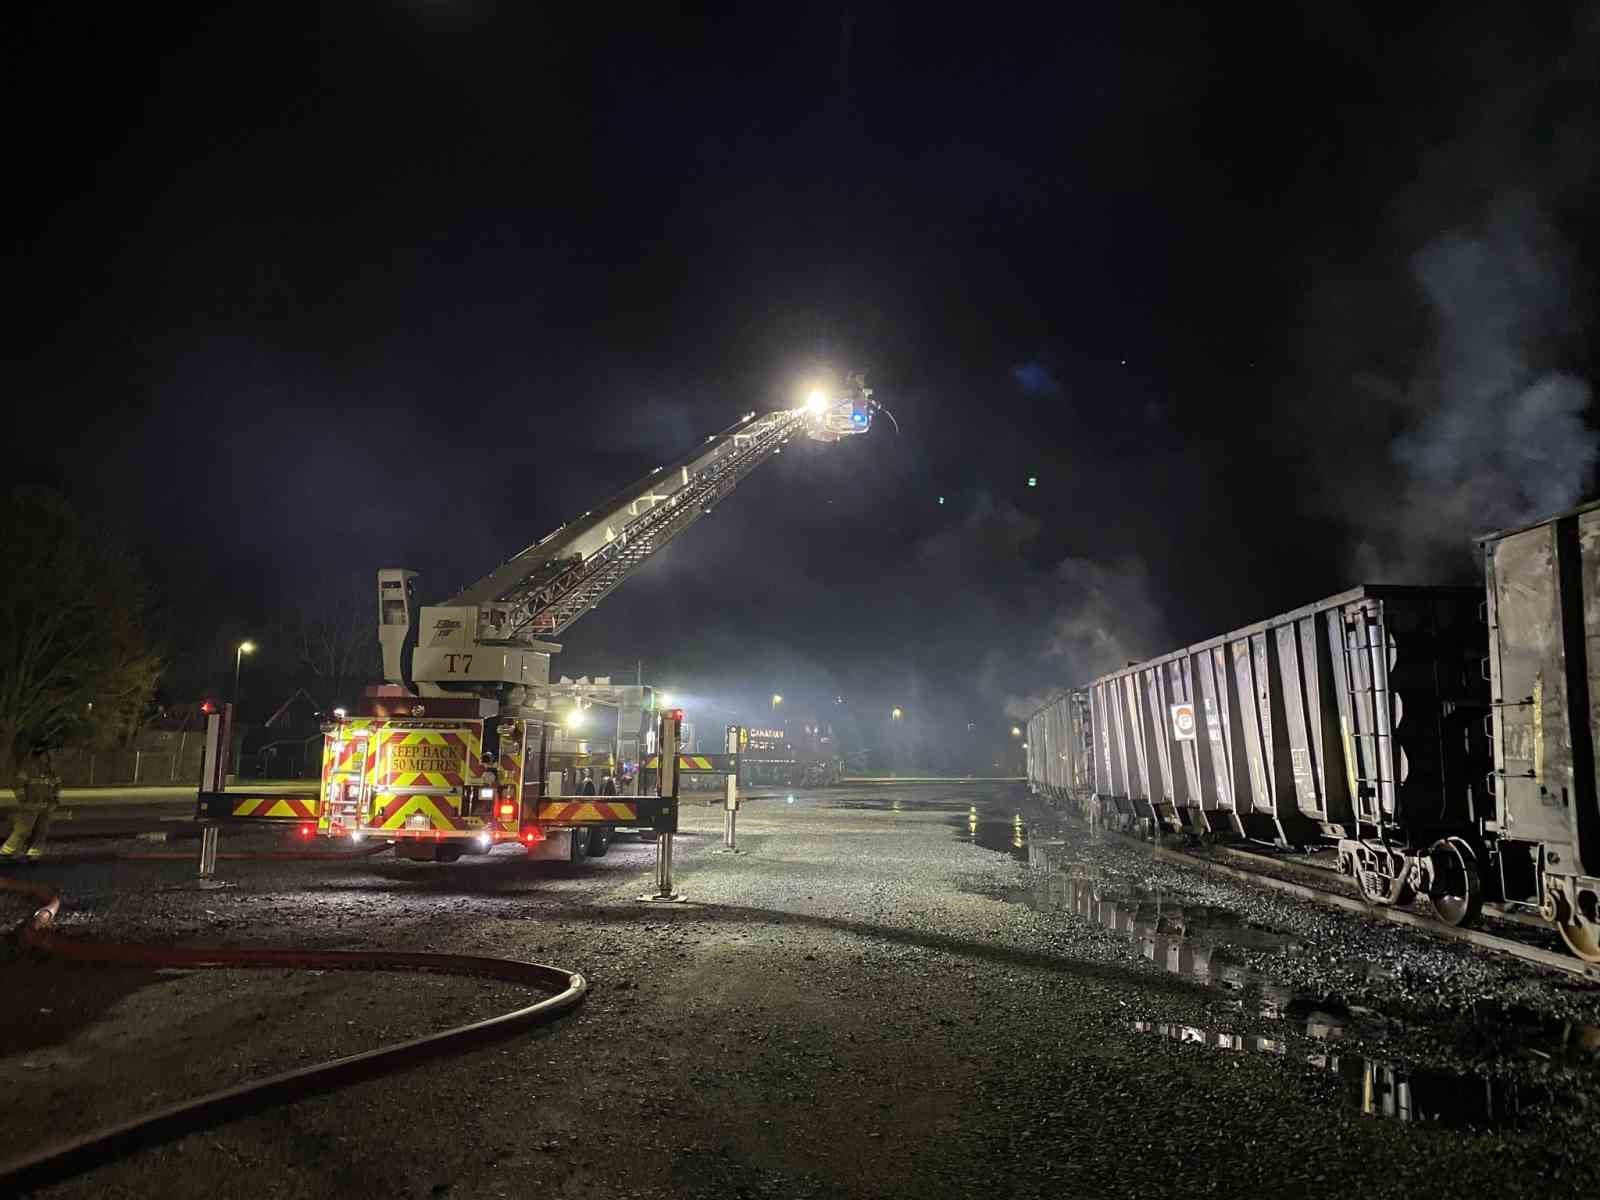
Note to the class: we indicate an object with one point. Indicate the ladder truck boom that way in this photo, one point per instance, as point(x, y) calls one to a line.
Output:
point(490, 639)
point(467, 744)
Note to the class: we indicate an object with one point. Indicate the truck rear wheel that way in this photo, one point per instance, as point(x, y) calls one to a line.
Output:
point(599, 842)
point(578, 848)
point(447, 854)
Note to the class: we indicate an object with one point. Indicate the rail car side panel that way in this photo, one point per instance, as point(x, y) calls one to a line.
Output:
point(1158, 739)
point(1225, 760)
point(1139, 789)
point(1186, 752)
point(1544, 598)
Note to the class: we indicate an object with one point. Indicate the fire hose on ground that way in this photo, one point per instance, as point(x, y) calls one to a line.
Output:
point(62, 1160)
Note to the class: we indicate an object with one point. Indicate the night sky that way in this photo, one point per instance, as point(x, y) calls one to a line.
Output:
point(1271, 302)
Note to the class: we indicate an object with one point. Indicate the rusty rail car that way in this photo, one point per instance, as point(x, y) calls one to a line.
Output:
point(1442, 738)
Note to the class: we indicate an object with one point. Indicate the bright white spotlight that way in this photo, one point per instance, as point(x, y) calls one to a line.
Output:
point(817, 402)
point(575, 719)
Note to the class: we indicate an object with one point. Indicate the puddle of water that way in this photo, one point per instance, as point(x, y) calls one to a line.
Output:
point(1196, 940)
point(1381, 1089)
point(1007, 835)
point(898, 804)
point(1205, 944)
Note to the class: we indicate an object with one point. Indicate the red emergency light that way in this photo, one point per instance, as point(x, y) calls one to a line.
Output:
point(507, 811)
point(674, 714)
point(307, 830)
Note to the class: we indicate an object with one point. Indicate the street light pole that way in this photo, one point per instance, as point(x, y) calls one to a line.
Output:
point(896, 742)
point(238, 661)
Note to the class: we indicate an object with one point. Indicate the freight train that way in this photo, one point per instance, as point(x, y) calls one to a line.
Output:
point(1442, 739)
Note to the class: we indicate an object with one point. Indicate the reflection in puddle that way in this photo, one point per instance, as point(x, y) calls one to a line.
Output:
point(894, 804)
point(1380, 1089)
point(1204, 943)
point(1196, 940)
point(1008, 837)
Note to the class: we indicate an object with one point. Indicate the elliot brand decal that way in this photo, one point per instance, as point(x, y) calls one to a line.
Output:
point(1183, 727)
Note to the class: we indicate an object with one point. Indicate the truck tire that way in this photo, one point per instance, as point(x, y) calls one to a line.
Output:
point(578, 848)
point(599, 842)
point(447, 854)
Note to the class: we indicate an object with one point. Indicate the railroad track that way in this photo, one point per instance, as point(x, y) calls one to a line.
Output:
point(1244, 870)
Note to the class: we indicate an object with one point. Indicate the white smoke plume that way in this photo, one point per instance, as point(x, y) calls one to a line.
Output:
point(1495, 428)
point(1045, 627)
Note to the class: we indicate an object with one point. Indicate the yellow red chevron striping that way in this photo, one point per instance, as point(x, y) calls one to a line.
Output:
point(393, 811)
point(578, 811)
point(297, 808)
point(510, 776)
point(686, 762)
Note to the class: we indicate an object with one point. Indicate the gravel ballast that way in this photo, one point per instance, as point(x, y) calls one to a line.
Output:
point(866, 1003)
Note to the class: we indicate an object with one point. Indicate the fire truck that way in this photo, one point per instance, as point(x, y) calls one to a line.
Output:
point(467, 744)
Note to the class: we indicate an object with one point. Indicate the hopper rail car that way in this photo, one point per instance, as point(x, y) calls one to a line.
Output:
point(1441, 738)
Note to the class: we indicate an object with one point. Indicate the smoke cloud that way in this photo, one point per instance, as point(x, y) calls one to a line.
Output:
point(1496, 432)
point(1043, 626)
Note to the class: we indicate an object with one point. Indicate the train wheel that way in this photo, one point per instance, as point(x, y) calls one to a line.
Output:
point(1454, 889)
point(1583, 940)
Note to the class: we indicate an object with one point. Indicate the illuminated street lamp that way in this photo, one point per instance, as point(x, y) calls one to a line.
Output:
point(238, 660)
point(895, 714)
point(776, 700)
point(1015, 732)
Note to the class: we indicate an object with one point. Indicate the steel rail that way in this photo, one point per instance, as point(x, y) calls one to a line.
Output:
point(64, 1159)
point(1538, 956)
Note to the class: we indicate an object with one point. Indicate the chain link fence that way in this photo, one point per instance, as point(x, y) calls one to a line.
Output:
point(159, 760)
point(286, 758)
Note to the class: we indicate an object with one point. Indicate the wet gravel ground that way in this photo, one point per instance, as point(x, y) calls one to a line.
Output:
point(879, 998)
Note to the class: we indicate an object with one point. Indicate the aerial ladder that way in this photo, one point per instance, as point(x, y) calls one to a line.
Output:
point(491, 639)
point(458, 748)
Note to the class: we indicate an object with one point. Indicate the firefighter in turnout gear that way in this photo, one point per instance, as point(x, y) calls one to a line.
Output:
point(38, 791)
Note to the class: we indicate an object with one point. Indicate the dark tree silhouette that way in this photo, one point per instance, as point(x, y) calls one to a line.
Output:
point(75, 667)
